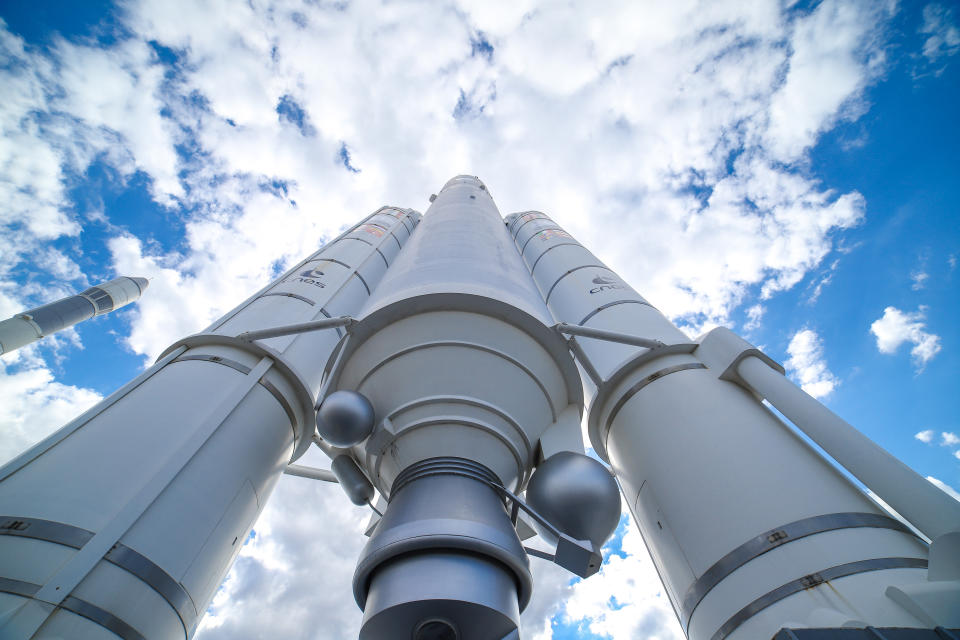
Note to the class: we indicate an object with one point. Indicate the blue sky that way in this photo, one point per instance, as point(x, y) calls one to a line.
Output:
point(791, 173)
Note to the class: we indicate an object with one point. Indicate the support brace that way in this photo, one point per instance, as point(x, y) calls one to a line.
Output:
point(610, 336)
point(292, 329)
point(302, 471)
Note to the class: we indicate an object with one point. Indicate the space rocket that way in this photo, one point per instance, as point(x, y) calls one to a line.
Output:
point(446, 364)
point(34, 324)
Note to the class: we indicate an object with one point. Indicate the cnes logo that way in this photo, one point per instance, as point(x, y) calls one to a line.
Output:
point(312, 273)
point(310, 276)
point(605, 283)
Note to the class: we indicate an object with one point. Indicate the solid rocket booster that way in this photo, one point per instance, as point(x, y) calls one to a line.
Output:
point(749, 527)
point(31, 325)
point(124, 522)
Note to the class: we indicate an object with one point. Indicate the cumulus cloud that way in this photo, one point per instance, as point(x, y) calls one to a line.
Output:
point(926, 436)
point(807, 364)
point(293, 578)
point(34, 404)
point(626, 599)
point(949, 439)
point(618, 118)
point(825, 75)
point(896, 327)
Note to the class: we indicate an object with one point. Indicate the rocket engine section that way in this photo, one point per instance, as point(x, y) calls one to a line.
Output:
point(454, 353)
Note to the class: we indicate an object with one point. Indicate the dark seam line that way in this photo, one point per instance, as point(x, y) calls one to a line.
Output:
point(549, 249)
point(813, 580)
point(517, 230)
point(773, 539)
point(244, 369)
point(291, 295)
point(335, 261)
point(612, 304)
point(327, 314)
point(362, 281)
point(80, 607)
point(557, 281)
point(656, 375)
point(536, 234)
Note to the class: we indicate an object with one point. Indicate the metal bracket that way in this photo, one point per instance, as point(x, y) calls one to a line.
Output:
point(576, 348)
point(292, 329)
point(585, 362)
point(313, 473)
point(609, 336)
point(580, 557)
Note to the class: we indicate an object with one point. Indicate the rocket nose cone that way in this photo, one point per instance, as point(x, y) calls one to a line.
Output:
point(143, 283)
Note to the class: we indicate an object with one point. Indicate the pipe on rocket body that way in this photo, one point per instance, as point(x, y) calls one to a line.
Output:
point(127, 522)
point(734, 507)
point(925, 506)
point(33, 324)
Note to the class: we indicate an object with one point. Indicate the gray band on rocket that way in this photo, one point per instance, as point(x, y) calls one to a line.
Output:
point(31, 325)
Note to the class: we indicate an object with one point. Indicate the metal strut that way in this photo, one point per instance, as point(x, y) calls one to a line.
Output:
point(291, 329)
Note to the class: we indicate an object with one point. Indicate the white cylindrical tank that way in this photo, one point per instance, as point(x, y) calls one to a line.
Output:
point(455, 355)
point(31, 325)
point(748, 526)
point(457, 329)
point(124, 522)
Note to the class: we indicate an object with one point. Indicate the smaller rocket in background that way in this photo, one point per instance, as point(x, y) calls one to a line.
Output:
point(33, 324)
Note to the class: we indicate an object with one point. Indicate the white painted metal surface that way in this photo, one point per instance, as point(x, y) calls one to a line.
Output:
point(926, 507)
point(125, 522)
point(453, 349)
point(748, 526)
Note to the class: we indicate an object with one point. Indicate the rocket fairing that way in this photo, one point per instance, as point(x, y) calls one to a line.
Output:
point(443, 365)
point(125, 521)
point(33, 324)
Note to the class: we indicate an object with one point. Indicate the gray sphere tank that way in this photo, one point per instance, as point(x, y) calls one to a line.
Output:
point(345, 418)
point(577, 495)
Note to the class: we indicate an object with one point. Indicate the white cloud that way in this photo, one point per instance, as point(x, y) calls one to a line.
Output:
point(807, 365)
point(615, 118)
point(825, 75)
point(919, 280)
point(926, 436)
point(34, 405)
point(754, 317)
point(626, 599)
point(293, 580)
point(822, 282)
point(949, 439)
point(944, 36)
point(896, 327)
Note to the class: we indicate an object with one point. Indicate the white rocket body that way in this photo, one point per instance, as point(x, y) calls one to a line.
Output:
point(31, 325)
point(446, 390)
point(456, 356)
point(750, 528)
point(124, 522)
